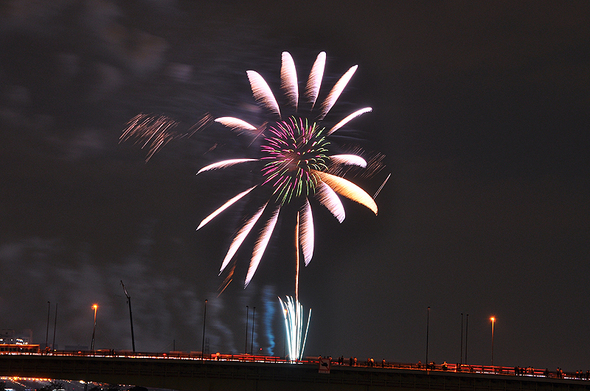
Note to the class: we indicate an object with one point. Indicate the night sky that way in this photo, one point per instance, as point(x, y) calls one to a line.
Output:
point(481, 110)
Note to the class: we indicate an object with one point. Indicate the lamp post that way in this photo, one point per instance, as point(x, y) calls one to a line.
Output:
point(285, 337)
point(54, 327)
point(130, 316)
point(427, 332)
point(203, 341)
point(47, 330)
point(466, 335)
point(247, 320)
point(493, 320)
point(95, 308)
point(461, 360)
point(253, 324)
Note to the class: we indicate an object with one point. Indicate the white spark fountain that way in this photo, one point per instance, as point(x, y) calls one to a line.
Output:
point(294, 327)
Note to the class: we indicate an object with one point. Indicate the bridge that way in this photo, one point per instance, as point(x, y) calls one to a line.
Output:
point(186, 373)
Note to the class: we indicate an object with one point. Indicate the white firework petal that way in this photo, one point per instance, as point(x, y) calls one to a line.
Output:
point(289, 79)
point(240, 236)
point(315, 78)
point(348, 189)
point(328, 197)
point(354, 160)
point(235, 123)
point(348, 118)
point(224, 164)
point(306, 237)
point(262, 92)
point(260, 245)
point(336, 91)
point(224, 207)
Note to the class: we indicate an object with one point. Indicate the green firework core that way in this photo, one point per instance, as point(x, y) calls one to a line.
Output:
point(293, 151)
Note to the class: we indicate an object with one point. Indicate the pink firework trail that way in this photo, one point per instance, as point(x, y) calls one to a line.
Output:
point(153, 132)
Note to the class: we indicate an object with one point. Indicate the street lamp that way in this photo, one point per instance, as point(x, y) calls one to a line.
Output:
point(247, 321)
point(47, 330)
point(253, 324)
point(204, 322)
point(285, 337)
point(493, 320)
point(94, 307)
point(466, 335)
point(427, 332)
point(54, 327)
point(130, 316)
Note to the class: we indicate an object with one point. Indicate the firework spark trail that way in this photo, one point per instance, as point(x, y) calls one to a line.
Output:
point(150, 130)
point(297, 159)
point(200, 125)
point(262, 92)
point(241, 235)
point(235, 123)
point(349, 118)
point(330, 200)
point(306, 236)
point(261, 244)
point(224, 207)
point(289, 79)
point(336, 91)
point(315, 79)
point(348, 190)
point(381, 187)
point(224, 164)
point(349, 159)
point(374, 164)
point(297, 263)
point(155, 131)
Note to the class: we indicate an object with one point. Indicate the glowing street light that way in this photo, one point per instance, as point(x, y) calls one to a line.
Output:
point(493, 320)
point(95, 308)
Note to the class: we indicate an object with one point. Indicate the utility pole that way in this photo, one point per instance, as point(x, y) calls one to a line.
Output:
point(247, 320)
point(203, 342)
point(130, 315)
point(461, 361)
point(427, 332)
point(466, 335)
point(47, 330)
point(54, 327)
point(253, 324)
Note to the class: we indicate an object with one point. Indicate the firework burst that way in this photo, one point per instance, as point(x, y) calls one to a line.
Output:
point(296, 156)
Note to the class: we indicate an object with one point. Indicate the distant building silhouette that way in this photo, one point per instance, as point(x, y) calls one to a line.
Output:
point(11, 336)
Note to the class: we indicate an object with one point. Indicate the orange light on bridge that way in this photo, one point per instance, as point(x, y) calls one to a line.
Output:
point(95, 308)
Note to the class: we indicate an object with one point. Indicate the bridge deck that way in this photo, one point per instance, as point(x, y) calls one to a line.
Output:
point(194, 374)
